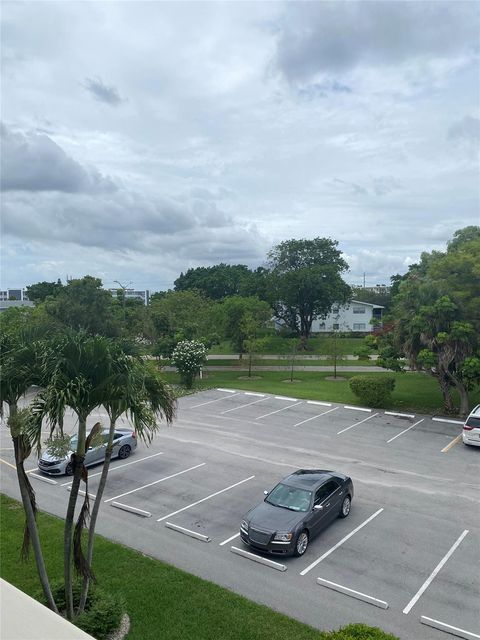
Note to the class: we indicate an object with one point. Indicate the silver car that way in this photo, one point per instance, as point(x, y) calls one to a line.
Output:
point(471, 428)
point(124, 442)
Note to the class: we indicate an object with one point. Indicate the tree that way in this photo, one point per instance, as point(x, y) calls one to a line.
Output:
point(188, 357)
point(40, 291)
point(83, 304)
point(437, 316)
point(85, 372)
point(305, 282)
point(20, 351)
point(216, 282)
point(239, 314)
point(186, 313)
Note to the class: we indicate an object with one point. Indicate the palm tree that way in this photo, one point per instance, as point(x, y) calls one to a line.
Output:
point(87, 372)
point(139, 392)
point(20, 352)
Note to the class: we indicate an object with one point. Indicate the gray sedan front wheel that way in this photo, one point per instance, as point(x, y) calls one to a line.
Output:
point(346, 506)
point(301, 544)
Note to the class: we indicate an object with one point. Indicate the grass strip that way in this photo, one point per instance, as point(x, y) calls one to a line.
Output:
point(162, 601)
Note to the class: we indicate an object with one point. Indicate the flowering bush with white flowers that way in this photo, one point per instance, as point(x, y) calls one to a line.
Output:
point(188, 358)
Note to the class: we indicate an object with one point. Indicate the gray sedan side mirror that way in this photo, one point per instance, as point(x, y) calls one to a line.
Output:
point(265, 493)
point(317, 507)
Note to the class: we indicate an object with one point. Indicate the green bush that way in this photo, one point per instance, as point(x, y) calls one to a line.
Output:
point(362, 353)
point(371, 341)
point(360, 632)
point(373, 391)
point(103, 611)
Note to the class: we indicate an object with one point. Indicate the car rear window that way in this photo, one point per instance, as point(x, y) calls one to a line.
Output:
point(472, 421)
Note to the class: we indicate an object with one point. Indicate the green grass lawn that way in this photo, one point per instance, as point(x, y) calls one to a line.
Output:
point(278, 345)
point(285, 361)
point(413, 391)
point(162, 601)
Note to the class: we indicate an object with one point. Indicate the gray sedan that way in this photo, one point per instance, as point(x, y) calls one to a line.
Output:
point(296, 510)
point(124, 442)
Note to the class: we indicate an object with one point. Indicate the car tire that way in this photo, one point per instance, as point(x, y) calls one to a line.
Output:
point(346, 506)
point(69, 469)
point(301, 543)
point(124, 451)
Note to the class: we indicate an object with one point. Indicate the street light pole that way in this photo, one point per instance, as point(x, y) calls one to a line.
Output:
point(124, 289)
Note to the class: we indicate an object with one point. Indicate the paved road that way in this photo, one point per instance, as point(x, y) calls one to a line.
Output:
point(412, 539)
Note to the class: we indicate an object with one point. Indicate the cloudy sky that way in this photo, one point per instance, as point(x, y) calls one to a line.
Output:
point(143, 138)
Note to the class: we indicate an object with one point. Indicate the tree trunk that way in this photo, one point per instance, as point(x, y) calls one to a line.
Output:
point(25, 490)
point(96, 508)
point(77, 459)
point(445, 389)
point(463, 394)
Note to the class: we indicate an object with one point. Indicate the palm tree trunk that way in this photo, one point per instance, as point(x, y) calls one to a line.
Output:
point(96, 508)
point(25, 492)
point(78, 459)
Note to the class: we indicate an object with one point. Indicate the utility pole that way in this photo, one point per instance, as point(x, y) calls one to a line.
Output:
point(124, 289)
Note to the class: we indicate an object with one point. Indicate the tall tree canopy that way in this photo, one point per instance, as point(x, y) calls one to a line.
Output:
point(305, 280)
point(40, 291)
point(437, 316)
point(83, 304)
point(217, 282)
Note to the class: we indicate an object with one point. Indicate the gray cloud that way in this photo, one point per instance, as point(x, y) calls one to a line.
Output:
point(103, 93)
point(335, 37)
point(34, 162)
point(465, 130)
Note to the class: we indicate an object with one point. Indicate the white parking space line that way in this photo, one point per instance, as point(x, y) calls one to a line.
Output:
point(431, 577)
point(317, 416)
point(443, 626)
point(347, 406)
point(237, 535)
point(251, 393)
point(244, 405)
point(353, 594)
point(119, 466)
point(212, 495)
point(324, 404)
point(295, 404)
point(43, 479)
point(404, 431)
point(286, 398)
point(236, 393)
point(227, 390)
point(339, 544)
point(174, 475)
point(445, 420)
point(356, 424)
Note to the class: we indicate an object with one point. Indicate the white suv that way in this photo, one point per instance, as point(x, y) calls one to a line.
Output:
point(471, 428)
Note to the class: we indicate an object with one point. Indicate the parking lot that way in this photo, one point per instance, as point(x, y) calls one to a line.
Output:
point(406, 557)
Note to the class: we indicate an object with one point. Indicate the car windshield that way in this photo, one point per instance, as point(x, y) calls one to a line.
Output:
point(289, 498)
point(73, 443)
point(473, 422)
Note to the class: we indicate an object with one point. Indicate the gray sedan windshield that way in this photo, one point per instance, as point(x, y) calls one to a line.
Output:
point(290, 498)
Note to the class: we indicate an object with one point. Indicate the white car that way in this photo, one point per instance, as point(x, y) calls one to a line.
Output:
point(124, 442)
point(471, 428)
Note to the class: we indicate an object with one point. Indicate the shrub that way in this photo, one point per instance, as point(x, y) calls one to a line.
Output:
point(371, 341)
point(362, 353)
point(372, 390)
point(188, 357)
point(360, 632)
point(103, 610)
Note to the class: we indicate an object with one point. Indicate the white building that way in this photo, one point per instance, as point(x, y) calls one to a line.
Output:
point(13, 294)
point(133, 294)
point(354, 316)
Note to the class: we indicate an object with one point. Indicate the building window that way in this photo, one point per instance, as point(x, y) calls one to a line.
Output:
point(335, 309)
point(359, 326)
point(321, 326)
point(336, 327)
point(358, 309)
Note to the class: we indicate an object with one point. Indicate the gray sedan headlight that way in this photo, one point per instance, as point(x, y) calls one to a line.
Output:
point(244, 526)
point(283, 537)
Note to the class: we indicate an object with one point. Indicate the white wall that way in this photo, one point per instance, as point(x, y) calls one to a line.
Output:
point(347, 318)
